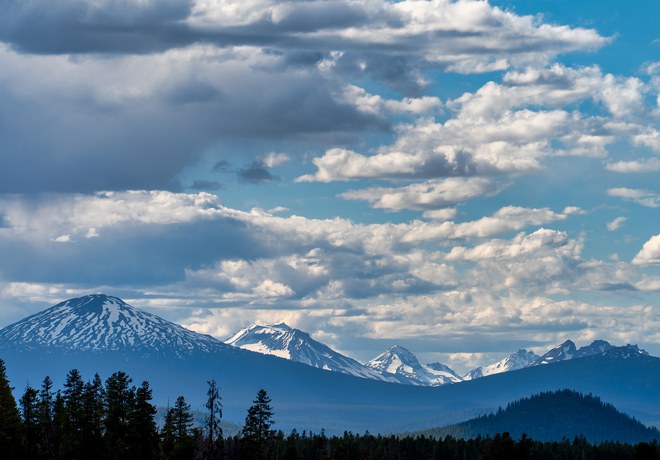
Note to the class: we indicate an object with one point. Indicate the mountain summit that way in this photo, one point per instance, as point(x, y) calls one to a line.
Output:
point(102, 323)
point(293, 344)
point(513, 362)
point(399, 361)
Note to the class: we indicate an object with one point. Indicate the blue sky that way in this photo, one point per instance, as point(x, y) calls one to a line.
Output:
point(461, 178)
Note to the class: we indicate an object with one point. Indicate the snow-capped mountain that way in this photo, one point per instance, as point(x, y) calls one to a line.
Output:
point(103, 323)
point(286, 342)
point(513, 362)
point(568, 350)
point(399, 361)
point(563, 352)
point(444, 374)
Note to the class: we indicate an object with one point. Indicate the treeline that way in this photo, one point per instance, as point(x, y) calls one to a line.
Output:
point(114, 420)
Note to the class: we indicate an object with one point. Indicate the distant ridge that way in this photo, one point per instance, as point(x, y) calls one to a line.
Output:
point(513, 362)
point(552, 416)
point(293, 344)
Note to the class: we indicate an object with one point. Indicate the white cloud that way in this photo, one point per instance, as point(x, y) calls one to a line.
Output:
point(650, 252)
point(646, 198)
point(433, 194)
point(506, 219)
point(635, 166)
point(616, 223)
point(377, 105)
point(521, 245)
point(274, 159)
point(440, 214)
point(503, 128)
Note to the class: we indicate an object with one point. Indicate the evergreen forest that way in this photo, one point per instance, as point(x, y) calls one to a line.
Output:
point(115, 420)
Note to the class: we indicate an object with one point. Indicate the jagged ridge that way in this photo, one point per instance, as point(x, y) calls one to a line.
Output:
point(289, 343)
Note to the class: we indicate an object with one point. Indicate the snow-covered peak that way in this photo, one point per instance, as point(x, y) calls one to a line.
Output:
point(396, 360)
point(271, 339)
point(104, 323)
point(563, 352)
point(400, 361)
point(513, 362)
point(286, 342)
point(567, 350)
point(443, 373)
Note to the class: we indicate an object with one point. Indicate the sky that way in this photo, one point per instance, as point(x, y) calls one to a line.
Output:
point(462, 178)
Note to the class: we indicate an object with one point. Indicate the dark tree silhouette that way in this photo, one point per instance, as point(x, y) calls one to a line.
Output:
point(46, 415)
point(73, 415)
point(92, 418)
point(143, 436)
point(257, 432)
point(119, 397)
point(29, 403)
point(178, 437)
point(10, 419)
point(213, 441)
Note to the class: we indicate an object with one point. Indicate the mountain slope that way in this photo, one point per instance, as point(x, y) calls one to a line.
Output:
point(285, 342)
point(552, 416)
point(513, 362)
point(399, 361)
point(104, 323)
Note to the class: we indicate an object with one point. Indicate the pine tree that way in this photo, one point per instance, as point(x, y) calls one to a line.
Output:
point(10, 420)
point(73, 415)
point(213, 440)
point(257, 432)
point(29, 403)
point(183, 420)
point(167, 435)
point(259, 419)
point(93, 407)
point(119, 400)
point(58, 425)
point(143, 439)
point(46, 425)
point(178, 435)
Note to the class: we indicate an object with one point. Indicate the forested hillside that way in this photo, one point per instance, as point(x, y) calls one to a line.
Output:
point(551, 416)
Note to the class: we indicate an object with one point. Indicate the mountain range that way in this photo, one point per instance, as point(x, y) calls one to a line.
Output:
point(103, 334)
point(397, 364)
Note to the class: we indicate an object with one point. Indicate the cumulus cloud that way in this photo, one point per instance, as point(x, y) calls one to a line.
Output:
point(506, 219)
point(503, 128)
point(650, 252)
point(645, 198)
point(521, 245)
point(426, 195)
